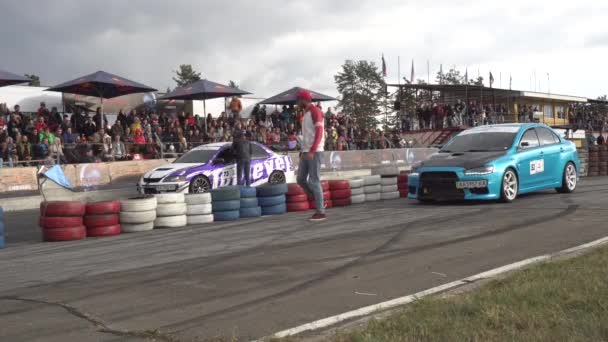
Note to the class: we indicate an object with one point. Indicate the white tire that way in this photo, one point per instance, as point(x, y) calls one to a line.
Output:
point(173, 209)
point(169, 198)
point(355, 183)
point(193, 199)
point(388, 181)
point(199, 209)
point(372, 189)
point(138, 204)
point(357, 199)
point(199, 219)
point(389, 188)
point(371, 180)
point(386, 171)
point(137, 216)
point(171, 221)
point(134, 228)
point(372, 197)
point(389, 195)
point(356, 191)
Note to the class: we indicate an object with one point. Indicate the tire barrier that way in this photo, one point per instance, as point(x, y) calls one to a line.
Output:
point(388, 181)
point(372, 197)
point(248, 192)
point(341, 194)
point(402, 184)
point(298, 206)
point(341, 202)
point(227, 193)
point(250, 212)
point(325, 185)
point(386, 171)
point(171, 210)
point(170, 198)
point(372, 189)
point(231, 215)
point(357, 192)
point(226, 203)
point(97, 221)
point(594, 161)
point(2, 242)
point(195, 199)
point(603, 160)
point(389, 195)
point(102, 208)
point(199, 209)
point(199, 219)
point(174, 221)
point(338, 185)
point(357, 199)
point(273, 198)
point(62, 221)
point(326, 203)
point(297, 198)
point(278, 209)
point(250, 204)
point(295, 189)
point(355, 183)
point(389, 188)
point(272, 201)
point(137, 214)
point(268, 190)
point(102, 218)
point(104, 231)
point(371, 180)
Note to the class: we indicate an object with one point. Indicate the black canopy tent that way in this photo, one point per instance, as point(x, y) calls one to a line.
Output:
point(8, 78)
point(290, 97)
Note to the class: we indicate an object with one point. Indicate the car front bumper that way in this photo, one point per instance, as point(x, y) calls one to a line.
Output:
point(161, 187)
point(439, 183)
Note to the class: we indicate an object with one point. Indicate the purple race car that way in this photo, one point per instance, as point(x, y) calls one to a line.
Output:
point(212, 166)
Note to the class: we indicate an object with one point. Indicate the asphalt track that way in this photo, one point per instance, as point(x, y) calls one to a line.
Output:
point(251, 278)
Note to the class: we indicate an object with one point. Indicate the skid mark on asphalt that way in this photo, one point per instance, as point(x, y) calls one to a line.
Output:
point(181, 326)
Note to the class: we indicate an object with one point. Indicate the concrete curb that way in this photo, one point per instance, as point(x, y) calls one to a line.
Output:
point(387, 305)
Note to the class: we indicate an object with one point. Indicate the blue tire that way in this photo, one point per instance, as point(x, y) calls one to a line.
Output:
point(275, 210)
point(1, 229)
point(1, 242)
point(249, 202)
point(251, 212)
point(248, 192)
point(231, 215)
point(226, 193)
point(1, 214)
point(268, 190)
point(226, 205)
point(270, 201)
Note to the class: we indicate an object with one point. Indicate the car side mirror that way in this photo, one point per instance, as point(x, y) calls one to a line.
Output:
point(219, 161)
point(524, 144)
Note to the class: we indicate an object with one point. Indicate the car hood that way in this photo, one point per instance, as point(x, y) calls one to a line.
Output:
point(466, 160)
point(169, 169)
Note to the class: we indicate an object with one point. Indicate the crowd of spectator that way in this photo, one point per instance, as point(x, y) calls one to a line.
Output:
point(438, 116)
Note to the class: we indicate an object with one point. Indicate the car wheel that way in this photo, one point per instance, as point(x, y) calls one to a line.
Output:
point(199, 185)
point(509, 187)
point(569, 180)
point(277, 177)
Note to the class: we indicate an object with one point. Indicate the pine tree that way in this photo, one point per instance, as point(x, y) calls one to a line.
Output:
point(186, 75)
point(34, 80)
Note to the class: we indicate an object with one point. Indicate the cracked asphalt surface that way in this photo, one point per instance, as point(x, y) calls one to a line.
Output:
point(250, 278)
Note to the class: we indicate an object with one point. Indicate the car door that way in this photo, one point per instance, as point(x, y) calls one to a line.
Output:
point(550, 150)
point(530, 162)
point(224, 165)
point(259, 172)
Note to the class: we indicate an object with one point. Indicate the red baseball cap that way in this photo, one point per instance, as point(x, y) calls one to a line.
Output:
point(304, 94)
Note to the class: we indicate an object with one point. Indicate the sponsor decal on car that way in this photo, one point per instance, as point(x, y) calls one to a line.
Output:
point(537, 166)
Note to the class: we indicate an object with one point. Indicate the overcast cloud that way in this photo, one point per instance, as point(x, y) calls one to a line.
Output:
point(270, 45)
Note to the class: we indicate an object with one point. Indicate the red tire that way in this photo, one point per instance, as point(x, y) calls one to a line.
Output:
point(339, 185)
point(104, 231)
point(298, 206)
point(341, 194)
point(101, 208)
point(297, 198)
point(342, 202)
point(402, 186)
point(94, 221)
point(404, 172)
point(326, 196)
point(327, 203)
point(402, 178)
point(403, 193)
point(62, 209)
point(325, 185)
point(50, 222)
point(295, 189)
point(64, 234)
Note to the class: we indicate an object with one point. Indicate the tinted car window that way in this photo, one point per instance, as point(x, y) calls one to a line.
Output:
point(546, 137)
point(258, 152)
point(196, 156)
point(480, 142)
point(228, 155)
point(531, 138)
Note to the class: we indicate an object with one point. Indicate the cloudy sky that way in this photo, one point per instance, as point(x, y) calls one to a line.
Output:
point(270, 45)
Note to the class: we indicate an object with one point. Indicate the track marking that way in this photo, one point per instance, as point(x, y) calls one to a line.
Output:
point(368, 310)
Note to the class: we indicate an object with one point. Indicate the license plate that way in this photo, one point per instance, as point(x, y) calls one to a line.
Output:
point(163, 187)
point(471, 184)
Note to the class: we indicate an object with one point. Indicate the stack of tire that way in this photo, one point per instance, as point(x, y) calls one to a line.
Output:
point(389, 190)
point(226, 203)
point(372, 188)
point(1, 228)
point(170, 211)
point(62, 221)
point(594, 161)
point(603, 160)
point(198, 209)
point(327, 202)
point(137, 214)
point(357, 195)
point(250, 206)
point(272, 198)
point(297, 199)
point(102, 218)
point(340, 193)
point(402, 183)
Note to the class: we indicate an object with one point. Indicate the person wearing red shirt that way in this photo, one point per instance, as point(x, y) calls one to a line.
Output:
point(311, 157)
point(139, 137)
point(40, 124)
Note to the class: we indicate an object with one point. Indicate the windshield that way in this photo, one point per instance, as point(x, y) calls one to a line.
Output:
point(196, 156)
point(480, 142)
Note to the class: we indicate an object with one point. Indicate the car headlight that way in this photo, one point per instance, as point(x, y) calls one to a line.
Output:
point(484, 170)
point(174, 179)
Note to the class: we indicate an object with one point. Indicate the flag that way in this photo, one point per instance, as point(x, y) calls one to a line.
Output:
point(440, 73)
point(466, 76)
point(491, 79)
point(510, 81)
point(56, 174)
point(384, 72)
point(412, 74)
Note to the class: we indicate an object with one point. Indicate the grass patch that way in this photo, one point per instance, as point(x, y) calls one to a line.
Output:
point(563, 300)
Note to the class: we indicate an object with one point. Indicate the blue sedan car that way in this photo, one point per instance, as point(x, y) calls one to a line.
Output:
point(497, 162)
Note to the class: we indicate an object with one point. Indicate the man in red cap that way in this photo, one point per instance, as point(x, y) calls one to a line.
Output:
point(311, 157)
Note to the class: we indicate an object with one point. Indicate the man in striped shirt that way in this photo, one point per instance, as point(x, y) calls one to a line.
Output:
point(311, 157)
